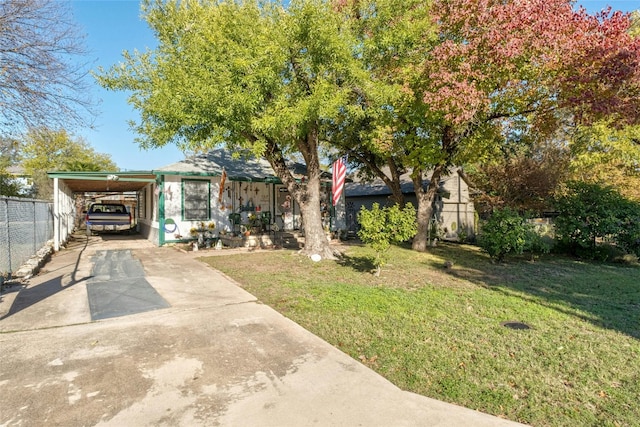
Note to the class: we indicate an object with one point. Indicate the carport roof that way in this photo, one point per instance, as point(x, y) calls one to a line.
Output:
point(80, 182)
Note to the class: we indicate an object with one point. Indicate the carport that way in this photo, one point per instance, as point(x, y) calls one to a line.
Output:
point(66, 184)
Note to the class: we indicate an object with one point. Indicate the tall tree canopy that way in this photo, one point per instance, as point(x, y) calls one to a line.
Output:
point(393, 37)
point(42, 71)
point(497, 68)
point(251, 75)
point(413, 85)
point(603, 154)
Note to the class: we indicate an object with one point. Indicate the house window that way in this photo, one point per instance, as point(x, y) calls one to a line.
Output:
point(195, 200)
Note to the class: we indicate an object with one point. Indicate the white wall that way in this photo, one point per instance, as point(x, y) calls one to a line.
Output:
point(241, 197)
point(64, 213)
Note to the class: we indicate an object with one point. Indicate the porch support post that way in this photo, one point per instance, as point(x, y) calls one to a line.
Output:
point(56, 214)
point(161, 218)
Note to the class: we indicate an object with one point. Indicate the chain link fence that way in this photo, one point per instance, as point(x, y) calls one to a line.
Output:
point(25, 226)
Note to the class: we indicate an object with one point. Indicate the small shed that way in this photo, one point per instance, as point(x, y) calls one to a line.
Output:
point(454, 212)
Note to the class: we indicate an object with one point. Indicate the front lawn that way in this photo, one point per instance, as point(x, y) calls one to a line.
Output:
point(440, 331)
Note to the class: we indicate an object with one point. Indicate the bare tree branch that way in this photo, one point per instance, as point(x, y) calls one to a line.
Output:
point(43, 81)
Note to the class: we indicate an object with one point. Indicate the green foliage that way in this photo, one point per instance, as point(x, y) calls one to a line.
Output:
point(239, 73)
point(590, 214)
point(538, 243)
point(506, 233)
point(628, 236)
point(265, 77)
point(379, 227)
point(45, 150)
point(56, 150)
point(9, 186)
point(604, 152)
point(9, 152)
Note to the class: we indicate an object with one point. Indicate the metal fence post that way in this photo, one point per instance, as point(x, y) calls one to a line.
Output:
point(8, 229)
point(35, 228)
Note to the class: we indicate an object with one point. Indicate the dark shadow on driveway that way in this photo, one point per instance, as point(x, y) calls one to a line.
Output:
point(29, 296)
point(118, 286)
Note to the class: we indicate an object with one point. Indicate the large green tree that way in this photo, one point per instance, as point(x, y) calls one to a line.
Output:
point(44, 150)
point(603, 154)
point(250, 75)
point(393, 36)
point(10, 185)
point(496, 68)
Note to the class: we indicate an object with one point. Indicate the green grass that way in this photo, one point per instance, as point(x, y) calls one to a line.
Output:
point(438, 332)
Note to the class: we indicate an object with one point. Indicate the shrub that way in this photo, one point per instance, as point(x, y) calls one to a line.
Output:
point(537, 243)
point(505, 233)
point(381, 227)
point(589, 214)
point(628, 236)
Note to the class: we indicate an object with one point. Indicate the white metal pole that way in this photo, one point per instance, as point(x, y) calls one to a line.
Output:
point(56, 214)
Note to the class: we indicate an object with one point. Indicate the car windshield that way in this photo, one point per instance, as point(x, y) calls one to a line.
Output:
point(108, 209)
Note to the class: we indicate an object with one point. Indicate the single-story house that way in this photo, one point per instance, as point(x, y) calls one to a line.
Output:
point(214, 192)
point(454, 213)
point(193, 191)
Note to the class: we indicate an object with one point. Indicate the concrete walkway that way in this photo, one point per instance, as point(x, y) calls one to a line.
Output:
point(215, 357)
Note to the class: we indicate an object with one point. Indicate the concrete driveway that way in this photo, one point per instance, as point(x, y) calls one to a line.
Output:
point(211, 356)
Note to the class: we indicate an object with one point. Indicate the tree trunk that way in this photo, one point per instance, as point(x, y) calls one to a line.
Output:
point(450, 140)
point(316, 241)
point(306, 195)
point(392, 182)
point(425, 205)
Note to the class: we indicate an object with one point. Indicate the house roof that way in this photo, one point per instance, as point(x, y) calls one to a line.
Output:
point(16, 170)
point(238, 167)
point(83, 182)
point(241, 168)
point(377, 187)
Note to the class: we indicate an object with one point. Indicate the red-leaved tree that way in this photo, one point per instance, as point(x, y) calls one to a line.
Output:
point(469, 74)
point(527, 63)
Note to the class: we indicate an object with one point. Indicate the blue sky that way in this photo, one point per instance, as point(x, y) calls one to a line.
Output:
point(112, 26)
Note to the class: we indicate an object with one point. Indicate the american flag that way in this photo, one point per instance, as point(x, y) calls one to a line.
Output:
point(339, 174)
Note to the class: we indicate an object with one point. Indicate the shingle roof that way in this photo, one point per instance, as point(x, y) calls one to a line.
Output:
point(239, 168)
point(377, 187)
